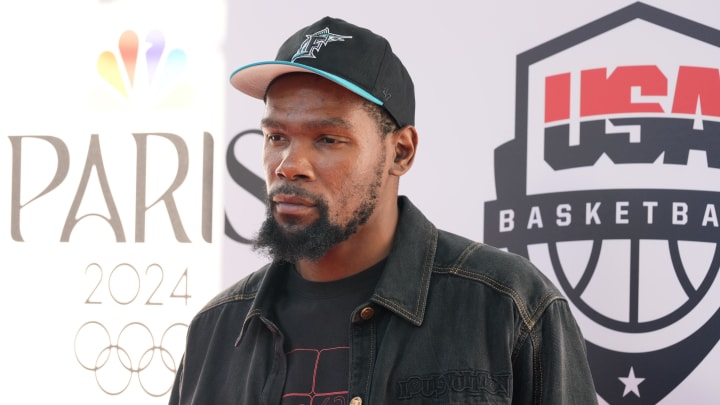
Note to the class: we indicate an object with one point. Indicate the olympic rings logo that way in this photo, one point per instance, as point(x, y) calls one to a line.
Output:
point(135, 351)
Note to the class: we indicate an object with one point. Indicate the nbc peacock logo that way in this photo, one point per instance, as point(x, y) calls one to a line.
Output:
point(611, 187)
point(142, 73)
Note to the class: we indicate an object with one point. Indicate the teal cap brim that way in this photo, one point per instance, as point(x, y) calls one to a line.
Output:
point(254, 79)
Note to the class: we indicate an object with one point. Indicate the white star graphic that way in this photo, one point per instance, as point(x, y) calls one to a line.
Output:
point(631, 383)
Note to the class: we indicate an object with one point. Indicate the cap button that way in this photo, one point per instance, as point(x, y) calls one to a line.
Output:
point(367, 313)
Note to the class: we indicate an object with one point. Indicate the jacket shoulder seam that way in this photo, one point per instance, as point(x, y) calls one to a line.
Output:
point(219, 301)
point(244, 290)
point(528, 315)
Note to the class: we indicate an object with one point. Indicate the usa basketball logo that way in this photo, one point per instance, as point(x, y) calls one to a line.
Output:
point(611, 187)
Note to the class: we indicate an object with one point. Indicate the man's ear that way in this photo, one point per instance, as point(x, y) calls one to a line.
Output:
point(405, 141)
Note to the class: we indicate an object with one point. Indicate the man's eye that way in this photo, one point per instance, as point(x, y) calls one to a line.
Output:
point(329, 141)
point(274, 138)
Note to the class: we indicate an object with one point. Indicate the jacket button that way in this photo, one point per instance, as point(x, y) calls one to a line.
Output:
point(356, 401)
point(366, 314)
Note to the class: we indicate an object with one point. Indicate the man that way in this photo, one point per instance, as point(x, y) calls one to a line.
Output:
point(365, 301)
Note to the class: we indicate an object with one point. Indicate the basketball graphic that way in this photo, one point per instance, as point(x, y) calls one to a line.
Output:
point(654, 307)
point(617, 192)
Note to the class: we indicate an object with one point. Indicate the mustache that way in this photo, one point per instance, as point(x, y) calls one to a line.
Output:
point(293, 190)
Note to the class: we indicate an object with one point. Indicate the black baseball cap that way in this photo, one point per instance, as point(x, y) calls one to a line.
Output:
point(353, 57)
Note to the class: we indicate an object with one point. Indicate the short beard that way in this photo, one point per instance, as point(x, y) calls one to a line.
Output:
point(315, 240)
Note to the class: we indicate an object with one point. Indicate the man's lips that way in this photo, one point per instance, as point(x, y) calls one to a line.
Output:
point(292, 205)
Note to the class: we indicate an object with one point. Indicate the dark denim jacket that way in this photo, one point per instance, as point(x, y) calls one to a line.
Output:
point(451, 322)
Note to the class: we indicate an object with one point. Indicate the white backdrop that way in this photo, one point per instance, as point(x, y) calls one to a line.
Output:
point(60, 291)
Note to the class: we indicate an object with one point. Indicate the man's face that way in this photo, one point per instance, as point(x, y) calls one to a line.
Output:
point(325, 166)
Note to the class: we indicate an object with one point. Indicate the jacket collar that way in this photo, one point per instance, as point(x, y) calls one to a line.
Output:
point(403, 287)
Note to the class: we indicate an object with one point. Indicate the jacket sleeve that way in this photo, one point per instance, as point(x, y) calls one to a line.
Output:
point(551, 367)
point(175, 393)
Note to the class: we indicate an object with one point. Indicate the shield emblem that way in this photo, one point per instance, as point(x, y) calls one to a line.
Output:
point(611, 187)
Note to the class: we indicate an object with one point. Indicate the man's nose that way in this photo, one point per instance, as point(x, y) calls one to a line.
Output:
point(295, 164)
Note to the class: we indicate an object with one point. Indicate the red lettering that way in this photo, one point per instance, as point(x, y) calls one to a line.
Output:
point(697, 85)
point(601, 94)
point(557, 97)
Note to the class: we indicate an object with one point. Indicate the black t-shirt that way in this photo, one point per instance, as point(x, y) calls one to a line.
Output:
point(315, 319)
